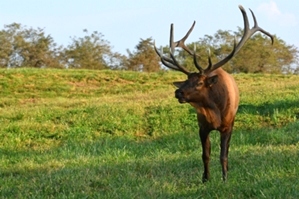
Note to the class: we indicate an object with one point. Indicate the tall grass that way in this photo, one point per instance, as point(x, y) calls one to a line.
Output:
point(120, 134)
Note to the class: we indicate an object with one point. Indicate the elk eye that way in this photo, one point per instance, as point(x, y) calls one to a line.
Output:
point(199, 84)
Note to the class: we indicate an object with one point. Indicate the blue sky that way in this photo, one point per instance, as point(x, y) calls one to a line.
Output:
point(124, 22)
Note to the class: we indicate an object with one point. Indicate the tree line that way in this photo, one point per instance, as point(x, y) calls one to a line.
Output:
point(28, 47)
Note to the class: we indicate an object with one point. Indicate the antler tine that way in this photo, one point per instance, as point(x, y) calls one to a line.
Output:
point(259, 28)
point(181, 43)
point(212, 67)
point(200, 69)
point(171, 63)
point(210, 61)
point(249, 32)
point(246, 35)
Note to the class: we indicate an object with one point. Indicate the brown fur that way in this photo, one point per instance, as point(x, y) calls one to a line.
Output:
point(212, 92)
point(215, 97)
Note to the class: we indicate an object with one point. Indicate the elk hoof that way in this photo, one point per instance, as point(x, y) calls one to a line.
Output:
point(224, 178)
point(205, 178)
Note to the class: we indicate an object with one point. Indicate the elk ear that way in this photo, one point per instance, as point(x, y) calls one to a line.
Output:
point(178, 84)
point(212, 80)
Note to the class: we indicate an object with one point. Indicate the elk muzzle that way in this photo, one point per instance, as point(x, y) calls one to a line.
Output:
point(179, 94)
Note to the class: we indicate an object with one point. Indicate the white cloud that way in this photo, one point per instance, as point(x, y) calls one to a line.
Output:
point(272, 11)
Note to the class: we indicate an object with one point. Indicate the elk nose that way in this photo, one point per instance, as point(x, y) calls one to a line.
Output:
point(179, 93)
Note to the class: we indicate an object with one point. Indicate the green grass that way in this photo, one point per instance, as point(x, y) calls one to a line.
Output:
point(120, 134)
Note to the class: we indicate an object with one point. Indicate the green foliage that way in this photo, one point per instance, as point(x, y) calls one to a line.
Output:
point(144, 59)
point(23, 47)
point(262, 57)
point(121, 134)
point(88, 52)
point(29, 47)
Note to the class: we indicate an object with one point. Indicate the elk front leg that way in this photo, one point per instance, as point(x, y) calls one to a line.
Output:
point(225, 139)
point(206, 151)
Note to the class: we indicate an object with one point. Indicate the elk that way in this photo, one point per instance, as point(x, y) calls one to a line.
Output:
point(212, 92)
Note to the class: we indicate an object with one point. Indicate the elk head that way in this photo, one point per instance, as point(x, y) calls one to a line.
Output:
point(197, 83)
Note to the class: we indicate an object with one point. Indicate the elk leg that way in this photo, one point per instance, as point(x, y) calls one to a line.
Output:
point(225, 139)
point(206, 151)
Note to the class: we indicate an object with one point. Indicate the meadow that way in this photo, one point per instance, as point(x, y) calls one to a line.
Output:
point(121, 134)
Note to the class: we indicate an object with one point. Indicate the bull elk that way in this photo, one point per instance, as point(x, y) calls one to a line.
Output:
point(212, 92)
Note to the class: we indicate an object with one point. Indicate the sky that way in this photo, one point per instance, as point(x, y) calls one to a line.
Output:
point(125, 22)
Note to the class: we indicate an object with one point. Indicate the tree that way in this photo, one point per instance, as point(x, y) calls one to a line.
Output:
point(6, 50)
point(144, 59)
point(260, 56)
point(117, 61)
point(27, 47)
point(90, 52)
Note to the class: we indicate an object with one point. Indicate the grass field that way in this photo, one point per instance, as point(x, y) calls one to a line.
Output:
point(118, 134)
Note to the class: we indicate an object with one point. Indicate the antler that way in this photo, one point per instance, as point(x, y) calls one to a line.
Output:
point(246, 35)
point(173, 64)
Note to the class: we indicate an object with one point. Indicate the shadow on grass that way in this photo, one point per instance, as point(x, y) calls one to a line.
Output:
point(267, 108)
point(165, 167)
point(171, 177)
